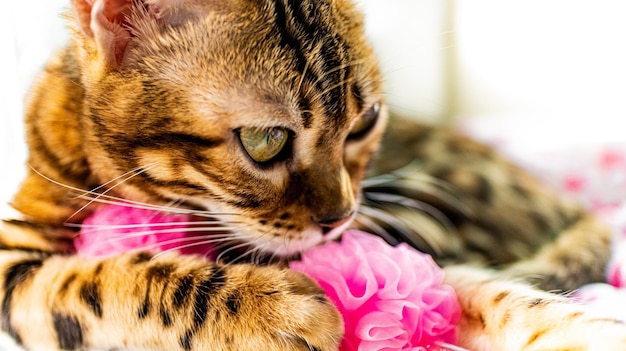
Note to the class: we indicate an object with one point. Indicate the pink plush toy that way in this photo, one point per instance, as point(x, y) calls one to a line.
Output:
point(391, 298)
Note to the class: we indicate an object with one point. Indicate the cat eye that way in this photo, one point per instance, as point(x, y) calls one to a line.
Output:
point(263, 144)
point(365, 122)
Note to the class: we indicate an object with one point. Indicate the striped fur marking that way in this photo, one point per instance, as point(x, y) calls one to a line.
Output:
point(15, 275)
point(69, 331)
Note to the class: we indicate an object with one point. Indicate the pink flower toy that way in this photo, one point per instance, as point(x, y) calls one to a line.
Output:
point(391, 298)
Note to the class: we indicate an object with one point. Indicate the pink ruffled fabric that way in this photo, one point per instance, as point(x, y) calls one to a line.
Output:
point(391, 298)
point(113, 230)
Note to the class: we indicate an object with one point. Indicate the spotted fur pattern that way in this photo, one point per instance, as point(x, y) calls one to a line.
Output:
point(145, 106)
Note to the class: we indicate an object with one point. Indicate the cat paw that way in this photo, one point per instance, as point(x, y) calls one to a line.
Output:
point(280, 309)
point(592, 334)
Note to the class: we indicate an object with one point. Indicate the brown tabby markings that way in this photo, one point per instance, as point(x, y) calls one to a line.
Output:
point(147, 103)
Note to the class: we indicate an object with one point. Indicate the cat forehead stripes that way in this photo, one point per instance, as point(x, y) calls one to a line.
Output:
point(307, 29)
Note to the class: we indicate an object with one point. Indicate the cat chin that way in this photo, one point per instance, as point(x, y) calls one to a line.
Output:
point(312, 237)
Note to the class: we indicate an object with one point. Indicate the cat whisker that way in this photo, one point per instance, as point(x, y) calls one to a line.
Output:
point(216, 242)
point(260, 250)
point(98, 227)
point(83, 194)
point(398, 226)
point(222, 254)
point(410, 179)
point(111, 200)
point(171, 231)
point(397, 199)
point(130, 174)
point(194, 240)
point(103, 198)
point(94, 191)
point(256, 254)
point(375, 228)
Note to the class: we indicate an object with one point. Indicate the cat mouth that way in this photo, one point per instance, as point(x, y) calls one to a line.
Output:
point(278, 249)
point(246, 243)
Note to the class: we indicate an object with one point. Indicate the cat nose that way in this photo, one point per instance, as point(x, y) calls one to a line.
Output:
point(329, 224)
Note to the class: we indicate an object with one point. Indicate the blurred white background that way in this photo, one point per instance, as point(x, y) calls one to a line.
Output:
point(554, 70)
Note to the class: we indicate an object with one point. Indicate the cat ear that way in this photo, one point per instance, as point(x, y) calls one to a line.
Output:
point(105, 22)
point(109, 23)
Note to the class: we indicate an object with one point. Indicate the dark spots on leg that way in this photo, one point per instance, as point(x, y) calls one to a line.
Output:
point(481, 319)
point(284, 216)
point(141, 257)
point(574, 315)
point(201, 303)
point(158, 273)
point(66, 284)
point(535, 336)
point(467, 182)
point(182, 292)
point(17, 274)
point(540, 221)
point(484, 192)
point(144, 309)
point(277, 225)
point(521, 190)
point(185, 340)
point(166, 318)
point(607, 320)
point(69, 331)
point(98, 269)
point(505, 320)
point(501, 296)
point(232, 303)
point(564, 216)
point(538, 302)
point(90, 295)
point(217, 280)
point(203, 293)
point(443, 173)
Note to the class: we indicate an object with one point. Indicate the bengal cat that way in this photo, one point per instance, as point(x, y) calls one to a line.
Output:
point(263, 115)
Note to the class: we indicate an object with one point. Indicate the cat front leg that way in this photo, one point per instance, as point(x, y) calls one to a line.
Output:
point(505, 315)
point(140, 302)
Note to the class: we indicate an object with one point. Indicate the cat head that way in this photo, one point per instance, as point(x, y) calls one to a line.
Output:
point(263, 112)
